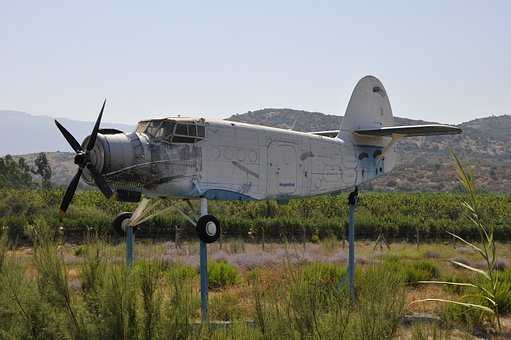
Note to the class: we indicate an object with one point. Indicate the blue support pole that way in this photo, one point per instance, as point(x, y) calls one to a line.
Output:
point(130, 240)
point(352, 202)
point(204, 268)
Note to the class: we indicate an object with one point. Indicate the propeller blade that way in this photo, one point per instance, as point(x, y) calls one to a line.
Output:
point(70, 139)
point(94, 134)
point(100, 181)
point(70, 192)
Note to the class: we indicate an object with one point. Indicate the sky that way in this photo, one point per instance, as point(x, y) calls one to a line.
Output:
point(445, 61)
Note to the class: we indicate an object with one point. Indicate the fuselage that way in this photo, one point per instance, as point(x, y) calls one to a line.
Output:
point(186, 158)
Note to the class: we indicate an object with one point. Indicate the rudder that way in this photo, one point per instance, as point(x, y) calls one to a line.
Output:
point(368, 108)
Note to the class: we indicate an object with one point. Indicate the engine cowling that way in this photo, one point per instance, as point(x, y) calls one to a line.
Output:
point(114, 152)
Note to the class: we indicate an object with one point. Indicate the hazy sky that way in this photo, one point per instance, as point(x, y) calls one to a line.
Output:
point(447, 61)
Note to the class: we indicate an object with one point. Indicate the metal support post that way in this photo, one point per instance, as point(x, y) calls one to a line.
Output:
point(130, 240)
point(204, 268)
point(352, 202)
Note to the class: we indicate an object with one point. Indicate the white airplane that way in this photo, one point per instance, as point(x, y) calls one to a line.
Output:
point(187, 158)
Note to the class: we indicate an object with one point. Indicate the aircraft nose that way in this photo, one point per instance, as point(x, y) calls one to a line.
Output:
point(98, 152)
point(111, 152)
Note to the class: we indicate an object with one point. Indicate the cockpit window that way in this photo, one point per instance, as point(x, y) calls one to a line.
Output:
point(182, 129)
point(173, 131)
point(200, 131)
point(153, 127)
point(142, 126)
point(165, 130)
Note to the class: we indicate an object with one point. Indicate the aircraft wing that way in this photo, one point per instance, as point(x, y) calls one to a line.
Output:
point(411, 130)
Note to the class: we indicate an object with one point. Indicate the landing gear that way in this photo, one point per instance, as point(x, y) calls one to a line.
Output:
point(208, 228)
point(120, 223)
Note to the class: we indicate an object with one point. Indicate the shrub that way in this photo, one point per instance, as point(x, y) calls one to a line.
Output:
point(381, 301)
point(182, 304)
point(222, 274)
point(323, 274)
point(181, 272)
point(424, 270)
point(225, 307)
point(149, 274)
point(412, 272)
point(15, 227)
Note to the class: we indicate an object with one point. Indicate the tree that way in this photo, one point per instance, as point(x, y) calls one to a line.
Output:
point(43, 169)
point(14, 174)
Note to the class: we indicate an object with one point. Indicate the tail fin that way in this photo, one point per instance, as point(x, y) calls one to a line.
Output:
point(368, 127)
point(369, 108)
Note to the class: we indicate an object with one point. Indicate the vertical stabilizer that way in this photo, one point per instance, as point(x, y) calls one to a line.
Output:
point(368, 108)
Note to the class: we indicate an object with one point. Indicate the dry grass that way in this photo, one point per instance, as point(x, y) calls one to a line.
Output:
point(273, 261)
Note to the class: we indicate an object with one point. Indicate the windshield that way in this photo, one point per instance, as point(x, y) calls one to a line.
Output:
point(172, 131)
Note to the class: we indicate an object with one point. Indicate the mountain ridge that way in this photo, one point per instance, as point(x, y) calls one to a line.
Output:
point(26, 133)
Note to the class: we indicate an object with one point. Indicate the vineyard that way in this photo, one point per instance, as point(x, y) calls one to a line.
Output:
point(396, 216)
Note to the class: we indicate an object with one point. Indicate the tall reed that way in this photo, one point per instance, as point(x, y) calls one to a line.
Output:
point(489, 287)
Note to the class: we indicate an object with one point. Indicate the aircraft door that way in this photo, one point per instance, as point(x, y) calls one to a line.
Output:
point(282, 169)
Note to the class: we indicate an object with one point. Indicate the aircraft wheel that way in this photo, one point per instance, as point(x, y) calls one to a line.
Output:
point(120, 223)
point(208, 228)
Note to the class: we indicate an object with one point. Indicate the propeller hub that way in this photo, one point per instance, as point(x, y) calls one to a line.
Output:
point(81, 159)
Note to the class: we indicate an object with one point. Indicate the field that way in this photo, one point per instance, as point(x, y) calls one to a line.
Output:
point(398, 216)
point(292, 290)
point(276, 273)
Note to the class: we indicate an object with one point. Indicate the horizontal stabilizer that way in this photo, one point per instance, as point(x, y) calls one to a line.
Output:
point(411, 130)
point(332, 133)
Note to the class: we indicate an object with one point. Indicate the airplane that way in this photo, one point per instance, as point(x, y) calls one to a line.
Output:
point(191, 158)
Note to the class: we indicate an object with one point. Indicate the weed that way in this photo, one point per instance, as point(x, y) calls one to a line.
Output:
point(149, 275)
point(182, 304)
point(236, 246)
point(52, 279)
point(380, 303)
point(412, 272)
point(222, 274)
point(225, 306)
point(330, 244)
point(490, 287)
point(3, 250)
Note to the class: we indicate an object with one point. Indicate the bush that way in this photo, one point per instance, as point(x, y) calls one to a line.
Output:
point(181, 272)
point(15, 227)
point(225, 307)
point(323, 274)
point(424, 270)
point(381, 301)
point(412, 272)
point(222, 274)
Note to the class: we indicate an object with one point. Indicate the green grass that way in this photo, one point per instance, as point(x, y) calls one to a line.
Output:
point(397, 215)
point(222, 274)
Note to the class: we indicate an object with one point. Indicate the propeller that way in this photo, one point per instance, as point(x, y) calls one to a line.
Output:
point(82, 159)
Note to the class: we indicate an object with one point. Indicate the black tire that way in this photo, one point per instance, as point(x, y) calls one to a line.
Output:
point(117, 223)
point(208, 228)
